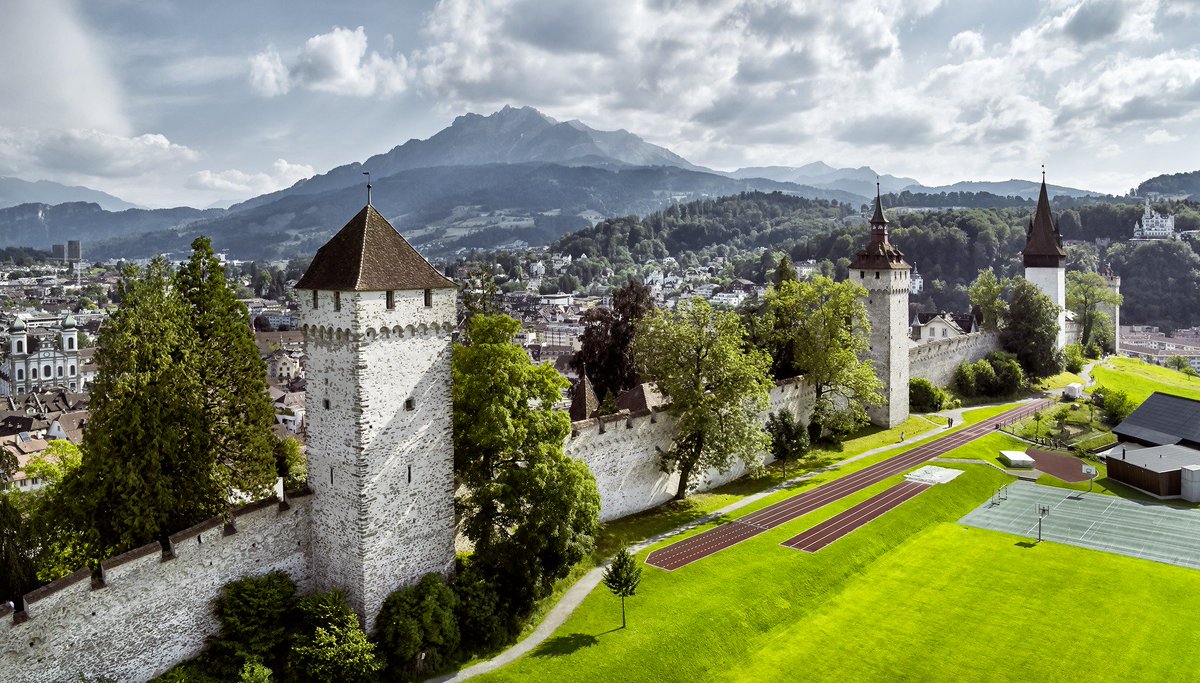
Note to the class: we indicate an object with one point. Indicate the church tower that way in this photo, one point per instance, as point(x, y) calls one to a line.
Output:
point(881, 269)
point(378, 320)
point(1045, 260)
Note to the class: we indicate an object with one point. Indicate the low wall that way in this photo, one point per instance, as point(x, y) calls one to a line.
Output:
point(152, 608)
point(937, 360)
point(622, 451)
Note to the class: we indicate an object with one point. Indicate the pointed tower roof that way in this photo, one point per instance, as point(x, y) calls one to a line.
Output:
point(880, 254)
point(368, 255)
point(584, 403)
point(1043, 243)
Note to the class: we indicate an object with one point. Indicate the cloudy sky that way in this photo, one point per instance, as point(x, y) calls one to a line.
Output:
point(166, 103)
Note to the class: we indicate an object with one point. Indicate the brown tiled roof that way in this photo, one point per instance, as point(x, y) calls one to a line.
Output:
point(1043, 244)
point(879, 253)
point(640, 398)
point(368, 255)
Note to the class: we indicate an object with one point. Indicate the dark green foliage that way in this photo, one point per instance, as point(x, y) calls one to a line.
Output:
point(290, 463)
point(254, 614)
point(964, 379)
point(605, 352)
point(417, 629)
point(1160, 282)
point(328, 644)
point(789, 438)
point(622, 577)
point(1031, 330)
point(1116, 404)
point(924, 396)
point(997, 376)
point(17, 545)
point(482, 626)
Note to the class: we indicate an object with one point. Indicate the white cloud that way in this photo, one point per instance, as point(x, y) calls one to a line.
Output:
point(88, 152)
point(283, 174)
point(967, 43)
point(1160, 137)
point(337, 62)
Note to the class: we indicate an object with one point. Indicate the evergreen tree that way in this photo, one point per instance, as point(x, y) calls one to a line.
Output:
point(717, 385)
point(605, 350)
point(785, 272)
point(622, 578)
point(236, 429)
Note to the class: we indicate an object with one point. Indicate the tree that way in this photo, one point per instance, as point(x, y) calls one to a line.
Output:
point(622, 577)
point(254, 614)
point(1178, 363)
point(785, 272)
point(531, 511)
point(1073, 357)
point(987, 293)
point(1031, 331)
point(822, 327)
point(417, 629)
point(789, 438)
point(698, 358)
point(236, 430)
point(17, 570)
point(1086, 292)
point(479, 294)
point(290, 463)
point(924, 396)
point(53, 464)
point(605, 351)
point(330, 645)
point(1116, 404)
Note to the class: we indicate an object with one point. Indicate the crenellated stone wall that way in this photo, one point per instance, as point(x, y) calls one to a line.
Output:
point(622, 451)
point(937, 360)
point(152, 608)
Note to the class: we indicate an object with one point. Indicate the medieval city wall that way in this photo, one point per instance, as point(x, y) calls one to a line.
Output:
point(622, 451)
point(153, 607)
point(937, 360)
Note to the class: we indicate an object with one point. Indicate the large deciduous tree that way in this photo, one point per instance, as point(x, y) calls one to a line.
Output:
point(717, 384)
point(822, 327)
point(1031, 331)
point(531, 511)
point(1086, 294)
point(987, 294)
point(605, 351)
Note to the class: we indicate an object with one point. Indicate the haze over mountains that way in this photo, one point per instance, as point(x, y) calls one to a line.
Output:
point(513, 177)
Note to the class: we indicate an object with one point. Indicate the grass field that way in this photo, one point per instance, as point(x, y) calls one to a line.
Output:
point(988, 448)
point(1139, 379)
point(912, 595)
point(1059, 381)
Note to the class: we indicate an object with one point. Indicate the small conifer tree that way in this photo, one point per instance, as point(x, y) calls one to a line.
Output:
point(622, 578)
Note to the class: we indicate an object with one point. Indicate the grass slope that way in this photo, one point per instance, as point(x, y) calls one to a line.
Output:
point(1140, 379)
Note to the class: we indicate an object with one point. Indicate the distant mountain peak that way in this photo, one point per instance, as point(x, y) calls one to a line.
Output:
point(15, 191)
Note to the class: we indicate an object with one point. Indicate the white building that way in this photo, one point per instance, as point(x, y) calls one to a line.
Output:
point(916, 283)
point(1154, 225)
point(42, 359)
point(1045, 260)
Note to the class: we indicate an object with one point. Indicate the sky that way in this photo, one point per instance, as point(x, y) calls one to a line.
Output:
point(167, 103)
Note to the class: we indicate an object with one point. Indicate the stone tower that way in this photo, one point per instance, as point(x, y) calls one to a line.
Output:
point(1045, 260)
point(881, 269)
point(1113, 282)
point(378, 320)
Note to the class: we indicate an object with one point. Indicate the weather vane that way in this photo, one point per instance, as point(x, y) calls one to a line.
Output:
point(368, 175)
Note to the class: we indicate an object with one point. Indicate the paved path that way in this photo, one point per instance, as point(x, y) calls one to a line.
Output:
point(576, 593)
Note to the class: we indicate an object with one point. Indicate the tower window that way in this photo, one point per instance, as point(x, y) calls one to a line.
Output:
point(410, 404)
point(391, 299)
point(70, 343)
point(46, 371)
point(862, 275)
point(877, 275)
point(314, 299)
point(337, 301)
point(428, 298)
point(20, 346)
point(326, 404)
point(20, 374)
point(410, 474)
point(71, 371)
point(60, 371)
point(34, 375)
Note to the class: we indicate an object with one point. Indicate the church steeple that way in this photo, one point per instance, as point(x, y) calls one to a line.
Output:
point(1043, 244)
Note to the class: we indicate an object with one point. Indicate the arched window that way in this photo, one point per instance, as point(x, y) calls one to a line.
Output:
point(34, 375)
point(71, 371)
point(46, 371)
point(20, 346)
point(60, 371)
point(70, 343)
point(20, 374)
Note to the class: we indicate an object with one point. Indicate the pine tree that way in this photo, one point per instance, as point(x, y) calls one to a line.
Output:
point(236, 430)
point(622, 578)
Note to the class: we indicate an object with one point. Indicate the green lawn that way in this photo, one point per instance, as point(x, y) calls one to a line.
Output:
point(1139, 379)
point(1059, 381)
point(988, 448)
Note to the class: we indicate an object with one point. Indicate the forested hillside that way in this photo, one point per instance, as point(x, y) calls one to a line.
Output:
point(1174, 183)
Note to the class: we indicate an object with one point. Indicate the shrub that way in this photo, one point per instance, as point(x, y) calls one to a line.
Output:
point(329, 644)
point(964, 379)
point(254, 613)
point(789, 438)
point(481, 624)
point(1073, 357)
point(415, 621)
point(1009, 375)
point(986, 382)
point(924, 396)
point(1116, 405)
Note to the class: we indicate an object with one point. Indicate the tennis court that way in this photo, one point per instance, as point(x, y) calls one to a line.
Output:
point(1152, 531)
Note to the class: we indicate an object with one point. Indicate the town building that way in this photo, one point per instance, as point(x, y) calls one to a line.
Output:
point(41, 358)
point(927, 327)
point(1154, 225)
point(1159, 448)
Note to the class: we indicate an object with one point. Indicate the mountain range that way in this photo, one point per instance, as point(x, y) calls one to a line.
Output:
point(514, 177)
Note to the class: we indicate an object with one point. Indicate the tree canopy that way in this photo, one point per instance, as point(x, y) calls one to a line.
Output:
point(717, 384)
point(1031, 333)
point(605, 347)
point(1087, 293)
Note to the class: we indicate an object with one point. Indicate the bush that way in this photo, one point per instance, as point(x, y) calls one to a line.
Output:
point(986, 382)
point(329, 644)
point(1073, 357)
point(789, 438)
point(924, 396)
point(1009, 375)
point(1116, 405)
point(964, 379)
point(418, 621)
point(254, 613)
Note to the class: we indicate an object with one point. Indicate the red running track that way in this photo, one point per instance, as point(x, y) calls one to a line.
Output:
point(718, 538)
point(832, 529)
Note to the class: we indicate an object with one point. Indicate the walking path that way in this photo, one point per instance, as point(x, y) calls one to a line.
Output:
point(584, 586)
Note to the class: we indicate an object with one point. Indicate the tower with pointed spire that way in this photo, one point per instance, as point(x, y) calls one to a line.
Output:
point(378, 320)
point(1045, 259)
point(880, 268)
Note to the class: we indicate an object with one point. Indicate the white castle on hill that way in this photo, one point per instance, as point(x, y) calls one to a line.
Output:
point(378, 511)
point(1154, 225)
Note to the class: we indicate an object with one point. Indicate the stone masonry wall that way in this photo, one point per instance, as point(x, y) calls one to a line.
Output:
point(937, 360)
point(622, 452)
point(153, 608)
